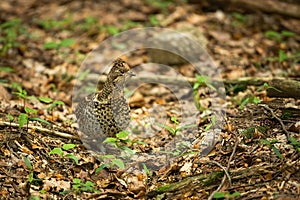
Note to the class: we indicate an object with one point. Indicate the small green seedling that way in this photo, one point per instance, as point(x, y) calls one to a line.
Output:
point(68, 42)
point(271, 145)
point(226, 195)
point(295, 143)
point(20, 92)
point(147, 171)
point(78, 187)
point(279, 36)
point(249, 99)
point(153, 20)
point(239, 19)
point(62, 152)
point(110, 162)
point(121, 142)
point(201, 81)
point(9, 33)
point(174, 130)
point(30, 168)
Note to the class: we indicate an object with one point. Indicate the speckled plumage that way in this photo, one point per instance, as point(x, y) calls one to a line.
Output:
point(106, 112)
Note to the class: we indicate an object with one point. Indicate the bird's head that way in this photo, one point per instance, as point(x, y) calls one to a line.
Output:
point(119, 71)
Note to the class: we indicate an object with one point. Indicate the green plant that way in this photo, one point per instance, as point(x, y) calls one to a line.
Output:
point(21, 93)
point(163, 5)
point(9, 33)
point(153, 20)
point(110, 162)
point(52, 24)
point(147, 171)
point(249, 132)
point(213, 120)
point(249, 99)
point(110, 29)
point(282, 56)
point(30, 168)
point(62, 152)
point(6, 70)
point(238, 19)
point(68, 42)
point(295, 143)
point(175, 129)
point(226, 195)
point(279, 36)
point(78, 186)
point(271, 145)
point(121, 142)
point(201, 81)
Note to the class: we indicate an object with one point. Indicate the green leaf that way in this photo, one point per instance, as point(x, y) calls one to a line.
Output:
point(174, 119)
point(147, 171)
point(29, 110)
point(273, 35)
point(101, 167)
point(219, 195)
point(34, 197)
point(68, 42)
point(10, 117)
point(256, 100)
point(6, 69)
point(27, 163)
point(45, 99)
point(119, 163)
point(153, 20)
point(244, 102)
point(287, 33)
point(110, 140)
point(76, 180)
point(88, 184)
point(23, 119)
point(170, 129)
point(68, 146)
point(282, 56)
point(122, 135)
point(51, 45)
point(128, 150)
point(30, 177)
point(277, 152)
point(57, 151)
point(39, 119)
point(263, 141)
point(73, 157)
point(54, 104)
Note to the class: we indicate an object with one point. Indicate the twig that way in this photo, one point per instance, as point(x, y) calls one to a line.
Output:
point(225, 170)
point(278, 119)
point(42, 130)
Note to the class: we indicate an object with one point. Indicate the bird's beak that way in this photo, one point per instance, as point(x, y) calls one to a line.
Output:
point(131, 73)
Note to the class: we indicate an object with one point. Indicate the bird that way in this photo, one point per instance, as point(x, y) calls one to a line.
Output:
point(105, 112)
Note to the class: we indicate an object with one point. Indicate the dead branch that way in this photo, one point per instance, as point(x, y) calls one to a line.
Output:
point(41, 129)
point(285, 88)
point(267, 6)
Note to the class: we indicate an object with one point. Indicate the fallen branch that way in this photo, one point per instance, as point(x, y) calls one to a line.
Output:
point(285, 88)
point(267, 6)
point(42, 130)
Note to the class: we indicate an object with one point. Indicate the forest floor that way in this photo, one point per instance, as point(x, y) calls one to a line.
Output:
point(257, 150)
